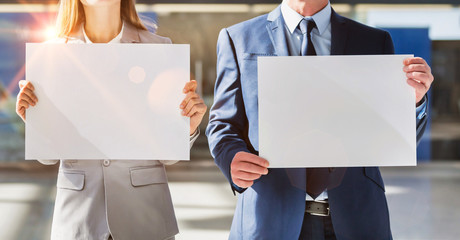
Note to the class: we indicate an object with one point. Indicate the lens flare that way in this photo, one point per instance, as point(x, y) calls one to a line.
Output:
point(50, 32)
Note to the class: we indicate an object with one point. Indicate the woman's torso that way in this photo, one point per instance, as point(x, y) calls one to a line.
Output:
point(128, 199)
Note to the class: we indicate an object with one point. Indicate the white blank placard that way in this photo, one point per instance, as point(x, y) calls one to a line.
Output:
point(336, 111)
point(107, 101)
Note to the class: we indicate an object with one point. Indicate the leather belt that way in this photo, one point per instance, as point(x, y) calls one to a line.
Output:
point(317, 208)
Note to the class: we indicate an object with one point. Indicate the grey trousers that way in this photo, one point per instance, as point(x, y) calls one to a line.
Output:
point(171, 238)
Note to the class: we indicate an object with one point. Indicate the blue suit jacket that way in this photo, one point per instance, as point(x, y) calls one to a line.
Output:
point(273, 208)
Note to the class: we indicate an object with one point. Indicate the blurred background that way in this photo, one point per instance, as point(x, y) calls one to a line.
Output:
point(423, 200)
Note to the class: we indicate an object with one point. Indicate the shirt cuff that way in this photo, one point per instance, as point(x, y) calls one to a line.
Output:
point(235, 188)
point(195, 134)
point(421, 109)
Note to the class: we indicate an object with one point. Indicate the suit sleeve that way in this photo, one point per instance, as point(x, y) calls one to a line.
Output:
point(421, 111)
point(227, 117)
point(47, 162)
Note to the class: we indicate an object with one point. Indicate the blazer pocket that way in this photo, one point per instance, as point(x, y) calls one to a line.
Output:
point(254, 56)
point(148, 175)
point(373, 173)
point(71, 180)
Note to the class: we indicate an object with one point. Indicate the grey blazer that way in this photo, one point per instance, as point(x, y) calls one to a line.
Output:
point(125, 199)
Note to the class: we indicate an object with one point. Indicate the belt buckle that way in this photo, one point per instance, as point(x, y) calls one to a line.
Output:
point(318, 212)
point(321, 214)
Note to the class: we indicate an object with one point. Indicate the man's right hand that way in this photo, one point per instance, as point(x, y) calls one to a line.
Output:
point(246, 168)
point(26, 98)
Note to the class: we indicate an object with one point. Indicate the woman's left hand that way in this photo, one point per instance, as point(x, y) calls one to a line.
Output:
point(193, 106)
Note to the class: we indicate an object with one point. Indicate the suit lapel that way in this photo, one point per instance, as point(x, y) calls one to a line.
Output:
point(275, 28)
point(130, 34)
point(339, 34)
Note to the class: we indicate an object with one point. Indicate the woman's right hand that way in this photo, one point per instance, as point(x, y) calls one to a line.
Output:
point(26, 98)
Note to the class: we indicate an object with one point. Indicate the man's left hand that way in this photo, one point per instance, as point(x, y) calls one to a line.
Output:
point(419, 76)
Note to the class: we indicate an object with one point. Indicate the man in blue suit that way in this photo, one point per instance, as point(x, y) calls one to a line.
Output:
point(290, 204)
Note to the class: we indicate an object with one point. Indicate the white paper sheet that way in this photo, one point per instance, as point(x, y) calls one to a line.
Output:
point(336, 111)
point(100, 101)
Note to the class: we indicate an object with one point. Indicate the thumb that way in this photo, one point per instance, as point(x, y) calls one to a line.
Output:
point(22, 83)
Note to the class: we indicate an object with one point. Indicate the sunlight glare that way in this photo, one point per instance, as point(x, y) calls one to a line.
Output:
point(50, 32)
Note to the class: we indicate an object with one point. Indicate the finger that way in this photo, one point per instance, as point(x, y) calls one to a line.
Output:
point(30, 93)
point(423, 78)
point(187, 98)
point(28, 96)
point(414, 60)
point(252, 158)
point(27, 99)
point(192, 106)
point(417, 68)
point(22, 83)
point(419, 76)
point(189, 106)
point(23, 103)
point(26, 84)
point(243, 183)
point(246, 175)
point(419, 87)
point(250, 167)
point(30, 85)
point(192, 111)
point(20, 109)
point(190, 86)
point(198, 109)
point(22, 113)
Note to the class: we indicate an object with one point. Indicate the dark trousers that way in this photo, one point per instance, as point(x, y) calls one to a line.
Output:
point(317, 228)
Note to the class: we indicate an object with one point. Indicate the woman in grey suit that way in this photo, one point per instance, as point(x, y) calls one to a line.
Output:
point(103, 199)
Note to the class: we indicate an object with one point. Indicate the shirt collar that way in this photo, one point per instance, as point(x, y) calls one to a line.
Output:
point(116, 39)
point(293, 18)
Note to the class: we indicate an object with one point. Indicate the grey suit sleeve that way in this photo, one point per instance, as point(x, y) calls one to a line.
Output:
point(47, 162)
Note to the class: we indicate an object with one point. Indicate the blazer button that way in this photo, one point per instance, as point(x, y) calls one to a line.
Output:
point(106, 163)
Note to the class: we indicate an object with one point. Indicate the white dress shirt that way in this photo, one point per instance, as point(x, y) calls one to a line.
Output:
point(320, 36)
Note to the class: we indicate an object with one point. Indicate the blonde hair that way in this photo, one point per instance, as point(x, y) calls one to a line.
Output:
point(71, 15)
